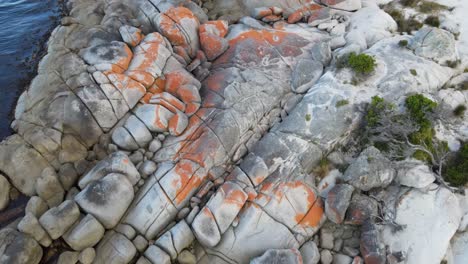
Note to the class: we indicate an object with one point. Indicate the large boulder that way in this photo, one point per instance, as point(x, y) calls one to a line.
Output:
point(414, 174)
point(435, 44)
point(107, 199)
point(117, 162)
point(115, 248)
point(459, 245)
point(370, 170)
point(4, 192)
point(428, 219)
point(337, 202)
point(16, 247)
point(21, 163)
point(278, 256)
point(57, 220)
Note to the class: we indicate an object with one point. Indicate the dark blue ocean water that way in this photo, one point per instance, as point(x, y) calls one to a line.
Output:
point(25, 25)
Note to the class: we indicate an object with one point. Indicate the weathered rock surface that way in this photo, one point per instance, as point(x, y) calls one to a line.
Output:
point(85, 233)
point(419, 212)
point(370, 170)
point(278, 256)
point(57, 220)
point(107, 199)
point(198, 142)
point(337, 202)
point(16, 247)
point(4, 192)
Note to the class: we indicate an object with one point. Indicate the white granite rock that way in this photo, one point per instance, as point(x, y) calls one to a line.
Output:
point(4, 192)
point(85, 233)
point(57, 220)
point(430, 219)
point(107, 199)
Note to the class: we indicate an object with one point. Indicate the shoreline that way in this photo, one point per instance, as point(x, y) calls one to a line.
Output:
point(30, 64)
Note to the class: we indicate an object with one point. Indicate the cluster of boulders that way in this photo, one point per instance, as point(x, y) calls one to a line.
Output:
point(157, 132)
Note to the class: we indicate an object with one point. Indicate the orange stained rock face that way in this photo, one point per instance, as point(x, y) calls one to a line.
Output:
point(183, 85)
point(142, 77)
point(211, 44)
point(313, 217)
point(180, 13)
point(254, 45)
point(158, 86)
point(122, 64)
point(144, 67)
point(154, 37)
point(126, 85)
point(171, 31)
point(202, 150)
point(189, 179)
point(146, 98)
point(264, 12)
point(169, 101)
point(310, 218)
point(302, 12)
point(271, 18)
point(158, 121)
point(177, 78)
point(136, 38)
point(233, 195)
point(216, 27)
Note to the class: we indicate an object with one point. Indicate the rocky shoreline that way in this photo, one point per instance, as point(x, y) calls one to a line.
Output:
point(240, 131)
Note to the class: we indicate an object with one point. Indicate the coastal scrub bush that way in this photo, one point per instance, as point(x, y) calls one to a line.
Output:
point(429, 7)
point(341, 103)
point(413, 72)
point(432, 21)
point(361, 63)
point(375, 110)
point(404, 24)
point(419, 107)
point(409, 3)
point(456, 170)
point(403, 43)
point(459, 110)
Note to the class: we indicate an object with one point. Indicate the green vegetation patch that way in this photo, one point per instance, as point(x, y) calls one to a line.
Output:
point(459, 110)
point(456, 170)
point(432, 21)
point(341, 103)
point(404, 24)
point(430, 7)
point(418, 107)
point(403, 43)
point(361, 63)
point(413, 72)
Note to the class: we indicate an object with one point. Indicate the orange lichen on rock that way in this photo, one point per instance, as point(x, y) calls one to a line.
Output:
point(178, 25)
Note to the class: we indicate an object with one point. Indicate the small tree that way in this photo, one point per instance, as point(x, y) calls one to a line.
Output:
point(408, 134)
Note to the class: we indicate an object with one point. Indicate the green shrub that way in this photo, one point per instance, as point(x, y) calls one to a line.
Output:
point(404, 24)
point(418, 107)
point(409, 3)
point(361, 63)
point(432, 21)
point(308, 117)
point(459, 110)
point(323, 168)
point(429, 7)
point(456, 170)
point(452, 64)
point(375, 109)
point(464, 86)
point(413, 72)
point(403, 43)
point(341, 103)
